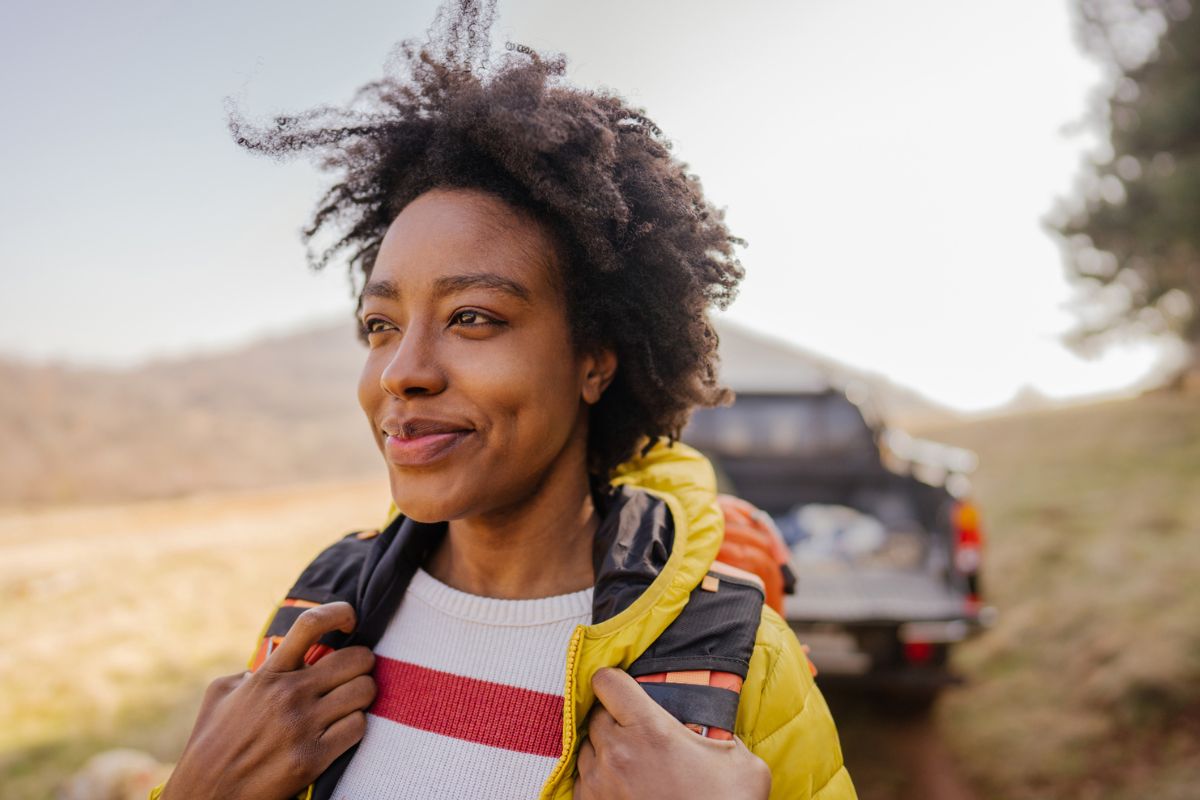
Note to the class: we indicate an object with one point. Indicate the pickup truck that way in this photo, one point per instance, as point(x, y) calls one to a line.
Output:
point(884, 539)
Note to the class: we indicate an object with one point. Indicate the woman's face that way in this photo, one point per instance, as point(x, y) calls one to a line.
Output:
point(472, 387)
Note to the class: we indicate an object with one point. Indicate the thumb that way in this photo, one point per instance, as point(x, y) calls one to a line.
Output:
point(625, 699)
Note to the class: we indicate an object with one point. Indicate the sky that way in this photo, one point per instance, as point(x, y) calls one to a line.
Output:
point(890, 165)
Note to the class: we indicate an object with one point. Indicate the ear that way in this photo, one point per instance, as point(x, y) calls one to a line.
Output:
point(599, 368)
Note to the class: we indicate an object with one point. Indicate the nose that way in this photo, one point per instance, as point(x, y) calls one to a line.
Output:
point(413, 368)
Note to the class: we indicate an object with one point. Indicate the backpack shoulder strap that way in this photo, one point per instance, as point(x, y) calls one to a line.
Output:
point(333, 575)
point(695, 668)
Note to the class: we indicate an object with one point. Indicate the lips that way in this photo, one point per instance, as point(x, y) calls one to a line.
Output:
point(420, 442)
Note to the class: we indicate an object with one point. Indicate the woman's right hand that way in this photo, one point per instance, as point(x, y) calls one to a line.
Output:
point(270, 733)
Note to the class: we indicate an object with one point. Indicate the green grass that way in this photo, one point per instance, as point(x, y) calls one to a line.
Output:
point(1089, 685)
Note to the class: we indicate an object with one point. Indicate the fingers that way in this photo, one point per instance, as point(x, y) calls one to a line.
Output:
point(586, 760)
point(757, 773)
point(626, 700)
point(217, 691)
point(306, 630)
point(339, 667)
point(343, 734)
point(586, 763)
point(601, 728)
point(356, 694)
point(219, 687)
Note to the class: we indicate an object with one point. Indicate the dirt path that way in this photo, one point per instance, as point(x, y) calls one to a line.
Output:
point(894, 757)
point(933, 773)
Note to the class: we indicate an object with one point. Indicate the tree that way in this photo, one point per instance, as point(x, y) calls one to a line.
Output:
point(1131, 232)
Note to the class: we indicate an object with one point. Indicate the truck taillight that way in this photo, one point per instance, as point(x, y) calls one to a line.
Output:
point(968, 547)
point(918, 652)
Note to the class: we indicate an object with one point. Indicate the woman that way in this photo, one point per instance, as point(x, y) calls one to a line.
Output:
point(536, 270)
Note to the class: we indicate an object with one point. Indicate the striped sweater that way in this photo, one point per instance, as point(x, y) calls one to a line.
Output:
point(470, 696)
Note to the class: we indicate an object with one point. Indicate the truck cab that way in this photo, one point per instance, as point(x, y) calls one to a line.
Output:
point(885, 541)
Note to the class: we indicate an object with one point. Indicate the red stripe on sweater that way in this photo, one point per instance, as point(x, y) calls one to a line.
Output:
point(478, 711)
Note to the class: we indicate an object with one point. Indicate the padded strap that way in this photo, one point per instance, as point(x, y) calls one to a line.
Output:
point(699, 705)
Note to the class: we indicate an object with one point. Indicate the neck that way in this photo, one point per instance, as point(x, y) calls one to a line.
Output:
point(540, 546)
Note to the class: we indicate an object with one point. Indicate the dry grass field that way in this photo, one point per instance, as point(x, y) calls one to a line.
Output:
point(113, 619)
point(1089, 686)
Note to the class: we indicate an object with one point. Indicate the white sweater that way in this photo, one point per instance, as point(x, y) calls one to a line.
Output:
point(470, 696)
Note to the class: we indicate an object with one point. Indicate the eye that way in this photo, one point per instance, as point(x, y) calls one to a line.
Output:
point(375, 325)
point(471, 318)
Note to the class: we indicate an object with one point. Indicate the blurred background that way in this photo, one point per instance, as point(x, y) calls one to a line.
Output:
point(967, 347)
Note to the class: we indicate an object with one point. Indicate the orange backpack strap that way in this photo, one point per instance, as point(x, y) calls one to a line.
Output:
point(695, 668)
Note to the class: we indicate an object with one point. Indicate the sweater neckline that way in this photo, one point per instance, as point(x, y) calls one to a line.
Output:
point(500, 611)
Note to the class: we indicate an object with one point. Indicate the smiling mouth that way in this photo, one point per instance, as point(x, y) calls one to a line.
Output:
point(418, 444)
point(418, 428)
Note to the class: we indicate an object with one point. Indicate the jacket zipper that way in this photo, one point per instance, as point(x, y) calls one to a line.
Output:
point(568, 715)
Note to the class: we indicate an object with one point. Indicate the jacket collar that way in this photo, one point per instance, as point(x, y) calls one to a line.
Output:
point(660, 530)
point(677, 488)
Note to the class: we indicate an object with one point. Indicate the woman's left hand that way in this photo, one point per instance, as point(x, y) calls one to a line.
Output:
point(635, 749)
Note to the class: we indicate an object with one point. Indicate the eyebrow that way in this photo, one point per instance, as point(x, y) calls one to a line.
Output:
point(479, 280)
point(450, 284)
point(383, 289)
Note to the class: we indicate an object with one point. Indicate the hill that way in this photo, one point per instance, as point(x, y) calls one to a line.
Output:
point(1089, 685)
point(277, 411)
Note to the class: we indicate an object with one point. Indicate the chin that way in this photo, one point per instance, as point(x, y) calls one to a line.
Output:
point(425, 514)
point(426, 500)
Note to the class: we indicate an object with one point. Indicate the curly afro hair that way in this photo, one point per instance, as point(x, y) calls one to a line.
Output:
point(644, 252)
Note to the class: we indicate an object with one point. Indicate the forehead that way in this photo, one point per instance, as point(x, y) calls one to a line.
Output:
point(464, 231)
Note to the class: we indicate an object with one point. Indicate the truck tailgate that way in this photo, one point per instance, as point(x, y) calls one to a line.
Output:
point(871, 595)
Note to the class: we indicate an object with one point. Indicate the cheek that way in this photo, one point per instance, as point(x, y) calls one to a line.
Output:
point(369, 390)
point(365, 382)
point(533, 396)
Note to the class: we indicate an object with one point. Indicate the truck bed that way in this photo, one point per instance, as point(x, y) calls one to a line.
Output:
point(858, 595)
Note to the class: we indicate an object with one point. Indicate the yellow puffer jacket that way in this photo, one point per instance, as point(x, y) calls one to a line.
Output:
point(782, 717)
